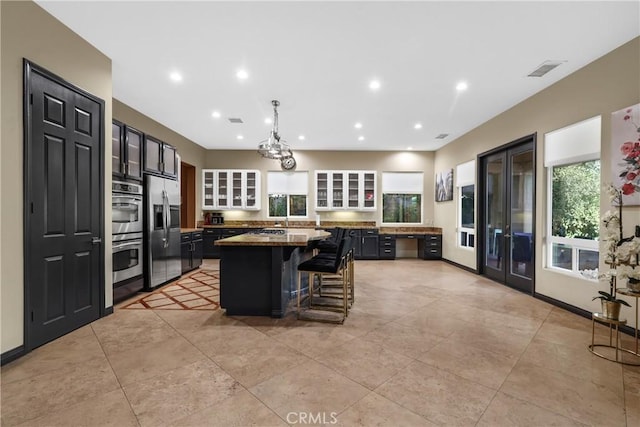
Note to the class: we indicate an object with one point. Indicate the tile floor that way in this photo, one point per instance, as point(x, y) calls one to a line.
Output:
point(426, 344)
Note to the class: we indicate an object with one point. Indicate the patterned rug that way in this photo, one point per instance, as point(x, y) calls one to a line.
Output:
point(200, 290)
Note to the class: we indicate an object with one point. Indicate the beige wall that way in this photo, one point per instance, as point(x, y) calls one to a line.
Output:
point(29, 32)
point(189, 151)
point(380, 161)
point(600, 88)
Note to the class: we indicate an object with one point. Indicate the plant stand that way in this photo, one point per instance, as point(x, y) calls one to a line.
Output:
point(614, 324)
point(636, 295)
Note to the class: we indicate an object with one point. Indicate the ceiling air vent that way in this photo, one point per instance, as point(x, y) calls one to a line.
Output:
point(235, 120)
point(544, 68)
point(442, 136)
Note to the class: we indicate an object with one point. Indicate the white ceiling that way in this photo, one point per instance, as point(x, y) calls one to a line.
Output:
point(317, 59)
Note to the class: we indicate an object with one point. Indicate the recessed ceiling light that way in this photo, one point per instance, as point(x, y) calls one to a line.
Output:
point(268, 121)
point(417, 126)
point(175, 76)
point(374, 84)
point(361, 138)
point(409, 148)
point(242, 74)
point(215, 114)
point(461, 86)
point(301, 137)
point(240, 137)
point(358, 125)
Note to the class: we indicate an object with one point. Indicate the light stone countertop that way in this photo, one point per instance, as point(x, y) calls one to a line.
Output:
point(291, 237)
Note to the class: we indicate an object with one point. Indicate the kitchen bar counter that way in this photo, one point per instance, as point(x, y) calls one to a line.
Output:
point(289, 237)
point(258, 273)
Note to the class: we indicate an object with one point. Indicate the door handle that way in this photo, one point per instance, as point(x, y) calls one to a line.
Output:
point(506, 236)
point(96, 240)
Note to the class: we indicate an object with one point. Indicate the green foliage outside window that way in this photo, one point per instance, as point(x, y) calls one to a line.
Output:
point(575, 208)
point(401, 208)
point(278, 205)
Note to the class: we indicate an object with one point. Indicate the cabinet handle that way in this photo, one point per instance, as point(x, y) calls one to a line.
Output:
point(123, 167)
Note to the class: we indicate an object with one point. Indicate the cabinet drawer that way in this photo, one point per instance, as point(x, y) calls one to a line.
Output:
point(433, 243)
point(185, 237)
point(212, 231)
point(196, 235)
point(433, 237)
point(432, 253)
point(369, 232)
point(387, 238)
point(388, 244)
point(387, 253)
point(410, 236)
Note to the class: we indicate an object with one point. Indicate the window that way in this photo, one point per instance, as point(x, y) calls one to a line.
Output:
point(401, 207)
point(402, 197)
point(465, 181)
point(573, 219)
point(287, 194)
point(575, 216)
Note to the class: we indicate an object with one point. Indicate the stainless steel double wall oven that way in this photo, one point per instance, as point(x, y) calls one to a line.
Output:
point(127, 235)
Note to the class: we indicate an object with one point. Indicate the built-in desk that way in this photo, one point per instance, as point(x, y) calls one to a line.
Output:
point(429, 241)
point(258, 271)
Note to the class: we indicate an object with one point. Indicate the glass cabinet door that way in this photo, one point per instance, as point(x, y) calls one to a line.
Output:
point(337, 185)
point(169, 160)
point(117, 160)
point(207, 189)
point(251, 190)
point(354, 190)
point(222, 190)
point(322, 190)
point(133, 141)
point(152, 149)
point(369, 190)
point(236, 190)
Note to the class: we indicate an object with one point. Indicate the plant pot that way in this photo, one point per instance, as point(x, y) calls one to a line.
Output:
point(633, 285)
point(611, 309)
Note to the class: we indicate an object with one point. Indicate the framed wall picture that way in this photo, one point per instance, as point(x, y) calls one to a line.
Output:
point(625, 153)
point(444, 186)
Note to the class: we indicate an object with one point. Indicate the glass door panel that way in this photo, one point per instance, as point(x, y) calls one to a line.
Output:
point(207, 183)
point(251, 189)
point(494, 223)
point(223, 190)
point(236, 189)
point(337, 184)
point(116, 149)
point(369, 190)
point(354, 190)
point(321, 190)
point(521, 214)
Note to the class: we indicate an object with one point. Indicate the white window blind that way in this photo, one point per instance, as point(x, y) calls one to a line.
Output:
point(572, 144)
point(402, 182)
point(466, 173)
point(288, 183)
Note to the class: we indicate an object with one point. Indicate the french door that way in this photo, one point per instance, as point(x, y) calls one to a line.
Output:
point(507, 214)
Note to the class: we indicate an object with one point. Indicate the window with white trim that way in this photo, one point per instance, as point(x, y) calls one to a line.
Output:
point(465, 181)
point(572, 159)
point(288, 194)
point(402, 197)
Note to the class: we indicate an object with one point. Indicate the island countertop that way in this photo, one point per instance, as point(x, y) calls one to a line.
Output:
point(288, 237)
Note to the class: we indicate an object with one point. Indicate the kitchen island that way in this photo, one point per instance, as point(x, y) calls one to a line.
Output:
point(258, 270)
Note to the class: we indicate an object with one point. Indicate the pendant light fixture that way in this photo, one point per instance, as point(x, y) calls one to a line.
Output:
point(274, 147)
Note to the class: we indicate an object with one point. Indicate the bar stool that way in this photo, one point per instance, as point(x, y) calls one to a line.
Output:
point(330, 287)
point(326, 266)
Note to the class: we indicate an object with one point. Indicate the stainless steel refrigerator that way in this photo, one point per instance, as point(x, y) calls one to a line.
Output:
point(162, 221)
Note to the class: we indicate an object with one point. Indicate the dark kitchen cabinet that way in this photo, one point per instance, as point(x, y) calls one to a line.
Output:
point(126, 149)
point(368, 243)
point(209, 237)
point(431, 246)
point(160, 158)
point(354, 233)
point(386, 246)
point(191, 250)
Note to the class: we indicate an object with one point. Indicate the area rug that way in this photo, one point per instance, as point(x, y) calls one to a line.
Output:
point(200, 290)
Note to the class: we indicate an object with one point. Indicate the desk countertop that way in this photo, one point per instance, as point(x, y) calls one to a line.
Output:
point(291, 237)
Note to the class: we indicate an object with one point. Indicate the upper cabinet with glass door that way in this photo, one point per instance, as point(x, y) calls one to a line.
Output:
point(126, 151)
point(230, 189)
point(160, 158)
point(345, 190)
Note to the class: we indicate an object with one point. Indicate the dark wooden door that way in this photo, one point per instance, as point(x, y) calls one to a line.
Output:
point(64, 252)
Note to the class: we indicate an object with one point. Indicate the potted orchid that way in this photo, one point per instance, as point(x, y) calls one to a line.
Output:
point(621, 256)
